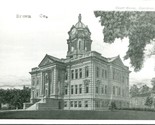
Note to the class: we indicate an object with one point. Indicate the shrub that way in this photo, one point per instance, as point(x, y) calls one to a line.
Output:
point(112, 106)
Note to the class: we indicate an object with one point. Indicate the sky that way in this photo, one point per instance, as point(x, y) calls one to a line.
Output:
point(25, 41)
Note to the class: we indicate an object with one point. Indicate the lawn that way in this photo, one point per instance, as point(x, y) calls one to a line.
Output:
point(90, 115)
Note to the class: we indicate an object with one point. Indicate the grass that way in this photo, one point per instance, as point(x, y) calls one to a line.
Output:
point(89, 115)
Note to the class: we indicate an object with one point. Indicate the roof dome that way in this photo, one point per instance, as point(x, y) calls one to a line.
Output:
point(79, 24)
point(79, 30)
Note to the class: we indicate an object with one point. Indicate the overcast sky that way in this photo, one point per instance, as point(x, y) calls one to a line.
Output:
point(25, 41)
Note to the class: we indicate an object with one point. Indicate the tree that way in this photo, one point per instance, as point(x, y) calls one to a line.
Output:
point(138, 26)
point(153, 84)
point(149, 101)
point(15, 97)
point(144, 89)
point(134, 90)
point(112, 105)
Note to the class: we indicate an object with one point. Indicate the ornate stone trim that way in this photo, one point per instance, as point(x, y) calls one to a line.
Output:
point(66, 83)
point(86, 81)
point(98, 82)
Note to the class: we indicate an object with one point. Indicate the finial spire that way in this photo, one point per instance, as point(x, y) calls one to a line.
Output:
point(80, 17)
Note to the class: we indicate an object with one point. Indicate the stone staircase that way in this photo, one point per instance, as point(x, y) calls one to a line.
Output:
point(46, 104)
point(35, 105)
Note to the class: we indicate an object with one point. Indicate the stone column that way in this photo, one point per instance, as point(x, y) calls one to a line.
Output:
point(51, 85)
point(41, 84)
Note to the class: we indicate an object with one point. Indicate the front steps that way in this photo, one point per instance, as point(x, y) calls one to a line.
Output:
point(46, 104)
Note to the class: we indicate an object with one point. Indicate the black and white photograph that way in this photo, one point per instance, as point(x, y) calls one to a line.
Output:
point(77, 60)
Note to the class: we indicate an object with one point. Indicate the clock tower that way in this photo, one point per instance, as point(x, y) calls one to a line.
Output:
point(79, 41)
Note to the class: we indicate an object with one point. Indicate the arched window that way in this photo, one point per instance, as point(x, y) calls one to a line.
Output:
point(72, 48)
point(81, 45)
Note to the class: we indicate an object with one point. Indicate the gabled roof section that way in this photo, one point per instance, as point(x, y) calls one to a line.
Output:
point(49, 60)
point(116, 60)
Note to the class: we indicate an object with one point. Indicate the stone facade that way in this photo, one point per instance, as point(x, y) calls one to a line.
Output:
point(85, 80)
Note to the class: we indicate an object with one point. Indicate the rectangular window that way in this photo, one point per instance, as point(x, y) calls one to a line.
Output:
point(86, 104)
point(75, 104)
point(123, 79)
point(33, 81)
point(80, 88)
point(65, 104)
point(72, 74)
point(123, 94)
point(97, 72)
point(72, 89)
point(37, 93)
point(76, 89)
point(96, 89)
point(102, 103)
point(119, 91)
point(37, 81)
point(102, 89)
point(79, 104)
point(113, 74)
point(103, 73)
point(66, 75)
point(76, 74)
point(113, 90)
point(66, 90)
point(96, 104)
point(80, 72)
point(106, 74)
point(86, 71)
point(71, 104)
point(87, 88)
point(106, 89)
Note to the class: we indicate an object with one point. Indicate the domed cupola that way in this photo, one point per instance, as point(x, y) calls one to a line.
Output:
point(79, 41)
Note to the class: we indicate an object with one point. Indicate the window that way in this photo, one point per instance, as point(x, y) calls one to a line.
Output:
point(86, 88)
point(72, 74)
point(86, 71)
point(76, 89)
point(97, 104)
point(79, 104)
point(102, 73)
point(71, 104)
point(37, 81)
point(76, 74)
point(97, 89)
point(80, 88)
point(105, 89)
point(75, 104)
point(65, 104)
point(80, 72)
point(72, 89)
point(113, 90)
point(66, 90)
point(66, 75)
point(102, 103)
point(114, 74)
point(106, 75)
point(72, 48)
point(37, 93)
point(123, 94)
point(33, 81)
point(86, 104)
point(97, 72)
point(102, 89)
point(46, 78)
point(119, 91)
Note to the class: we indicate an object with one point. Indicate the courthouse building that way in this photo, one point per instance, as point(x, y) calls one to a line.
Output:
point(84, 80)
